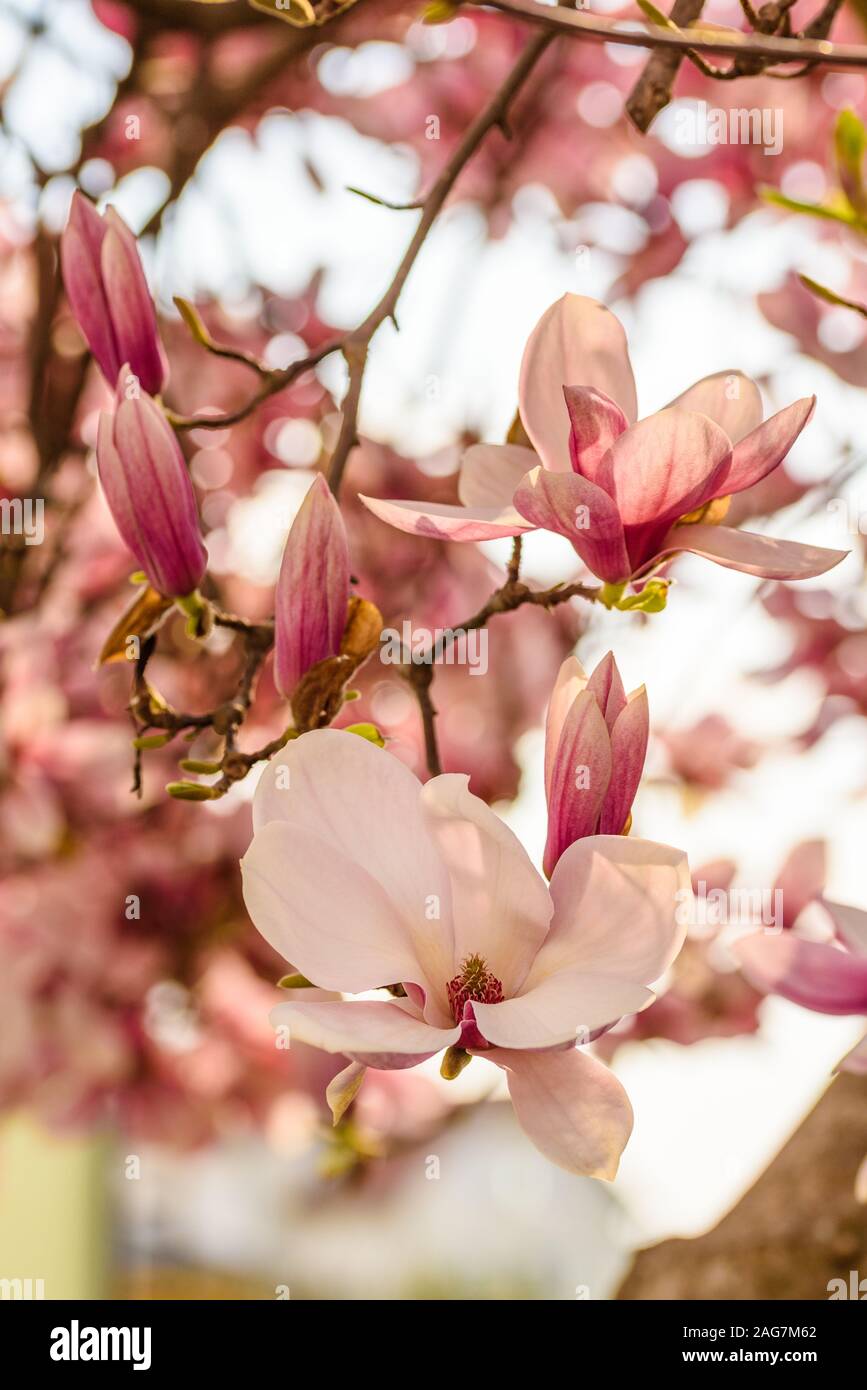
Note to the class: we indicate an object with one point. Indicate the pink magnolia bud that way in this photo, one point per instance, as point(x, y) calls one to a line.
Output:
point(109, 295)
point(595, 744)
point(149, 492)
point(312, 595)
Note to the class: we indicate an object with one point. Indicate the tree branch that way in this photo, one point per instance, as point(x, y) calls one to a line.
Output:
point(652, 91)
point(511, 595)
point(556, 19)
point(357, 343)
point(798, 1227)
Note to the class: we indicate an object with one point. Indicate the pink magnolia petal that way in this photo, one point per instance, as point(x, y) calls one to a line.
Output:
point(325, 913)
point(665, 466)
point(816, 975)
point(802, 878)
point(765, 447)
point(579, 779)
point(131, 306)
point(628, 750)
point(580, 511)
point(572, 1107)
point(850, 924)
point(763, 556)
point(596, 421)
point(607, 686)
point(80, 250)
point(365, 804)
point(383, 1031)
point(342, 1090)
point(577, 342)
point(856, 1061)
point(568, 1006)
point(439, 521)
point(730, 399)
point(643, 543)
point(500, 904)
point(491, 472)
point(571, 680)
point(148, 490)
point(621, 909)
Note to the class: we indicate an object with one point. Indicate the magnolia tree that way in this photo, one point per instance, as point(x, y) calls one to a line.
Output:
point(141, 964)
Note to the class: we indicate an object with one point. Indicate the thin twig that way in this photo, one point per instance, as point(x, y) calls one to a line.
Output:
point(420, 678)
point(557, 19)
point(357, 343)
point(272, 383)
point(511, 595)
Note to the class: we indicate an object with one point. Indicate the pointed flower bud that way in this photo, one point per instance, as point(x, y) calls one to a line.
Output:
point(149, 493)
point(595, 744)
point(109, 296)
point(312, 598)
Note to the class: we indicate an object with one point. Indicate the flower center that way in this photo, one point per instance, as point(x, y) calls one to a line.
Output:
point(711, 514)
point(475, 982)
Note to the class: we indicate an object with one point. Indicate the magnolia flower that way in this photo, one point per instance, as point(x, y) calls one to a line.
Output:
point(149, 493)
point(829, 977)
point(363, 878)
point(109, 295)
point(627, 493)
point(312, 596)
point(595, 744)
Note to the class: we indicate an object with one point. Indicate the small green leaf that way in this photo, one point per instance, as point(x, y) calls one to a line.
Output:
point(850, 142)
point(610, 594)
point(368, 731)
point(199, 614)
point(656, 16)
point(192, 791)
point(199, 765)
point(833, 212)
point(192, 319)
point(822, 292)
point(151, 741)
point(439, 12)
point(652, 599)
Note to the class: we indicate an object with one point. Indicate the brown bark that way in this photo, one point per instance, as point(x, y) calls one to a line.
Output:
point(653, 89)
point(798, 1227)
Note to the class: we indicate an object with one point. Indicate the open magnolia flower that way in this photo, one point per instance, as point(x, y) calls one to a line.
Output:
point(627, 493)
point(364, 878)
point(829, 977)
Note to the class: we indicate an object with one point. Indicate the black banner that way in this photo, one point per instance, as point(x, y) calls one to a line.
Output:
point(246, 1338)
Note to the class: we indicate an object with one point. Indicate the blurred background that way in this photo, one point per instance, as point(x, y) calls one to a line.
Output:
point(153, 1142)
